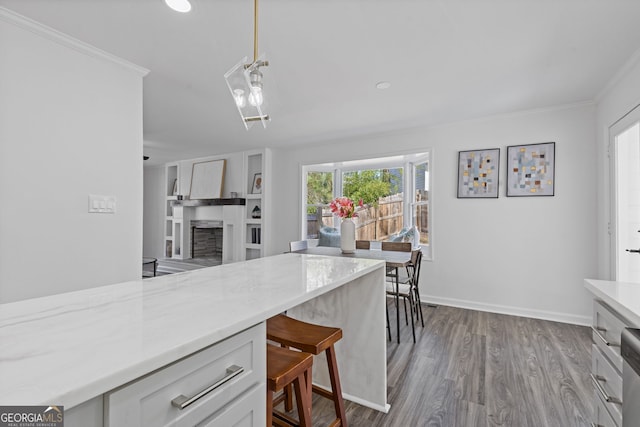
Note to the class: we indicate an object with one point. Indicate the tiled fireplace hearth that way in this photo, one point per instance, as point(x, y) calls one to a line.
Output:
point(206, 239)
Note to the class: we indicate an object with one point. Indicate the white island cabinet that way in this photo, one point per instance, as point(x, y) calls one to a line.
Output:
point(189, 348)
point(616, 306)
point(211, 386)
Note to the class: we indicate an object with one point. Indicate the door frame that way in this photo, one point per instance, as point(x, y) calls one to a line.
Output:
point(620, 126)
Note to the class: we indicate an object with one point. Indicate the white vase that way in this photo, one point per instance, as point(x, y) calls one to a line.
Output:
point(348, 236)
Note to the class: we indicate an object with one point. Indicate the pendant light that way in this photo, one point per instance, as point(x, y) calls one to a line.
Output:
point(179, 5)
point(245, 83)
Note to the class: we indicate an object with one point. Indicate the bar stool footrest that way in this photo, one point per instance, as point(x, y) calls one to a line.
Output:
point(322, 392)
point(282, 419)
point(279, 398)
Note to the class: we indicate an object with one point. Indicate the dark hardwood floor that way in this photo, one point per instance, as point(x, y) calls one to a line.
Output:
point(471, 368)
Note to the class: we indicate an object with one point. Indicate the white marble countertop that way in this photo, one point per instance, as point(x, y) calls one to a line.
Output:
point(624, 297)
point(68, 348)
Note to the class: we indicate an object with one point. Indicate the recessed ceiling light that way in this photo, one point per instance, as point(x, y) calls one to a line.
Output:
point(383, 85)
point(179, 5)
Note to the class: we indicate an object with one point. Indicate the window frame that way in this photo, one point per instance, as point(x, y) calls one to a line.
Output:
point(407, 161)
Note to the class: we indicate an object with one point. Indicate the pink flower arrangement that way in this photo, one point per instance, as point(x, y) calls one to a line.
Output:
point(344, 207)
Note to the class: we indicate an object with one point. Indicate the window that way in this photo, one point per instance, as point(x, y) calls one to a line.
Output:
point(380, 183)
point(319, 185)
point(420, 203)
point(381, 191)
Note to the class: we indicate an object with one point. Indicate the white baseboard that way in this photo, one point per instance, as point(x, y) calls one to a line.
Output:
point(505, 309)
point(384, 409)
point(347, 396)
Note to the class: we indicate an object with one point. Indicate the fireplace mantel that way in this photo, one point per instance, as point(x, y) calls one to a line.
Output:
point(210, 202)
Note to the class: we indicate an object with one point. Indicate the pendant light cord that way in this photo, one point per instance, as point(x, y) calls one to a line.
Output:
point(255, 30)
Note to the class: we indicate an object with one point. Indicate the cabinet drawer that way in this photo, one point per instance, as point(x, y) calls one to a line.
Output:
point(607, 328)
point(245, 411)
point(148, 400)
point(601, 416)
point(609, 382)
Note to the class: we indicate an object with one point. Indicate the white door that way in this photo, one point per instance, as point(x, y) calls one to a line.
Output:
point(624, 146)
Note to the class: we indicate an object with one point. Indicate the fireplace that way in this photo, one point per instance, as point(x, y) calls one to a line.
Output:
point(206, 239)
point(192, 229)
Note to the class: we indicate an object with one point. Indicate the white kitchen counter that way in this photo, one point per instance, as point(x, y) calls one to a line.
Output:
point(68, 348)
point(621, 296)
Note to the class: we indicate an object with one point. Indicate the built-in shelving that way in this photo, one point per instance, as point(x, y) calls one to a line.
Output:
point(246, 232)
point(172, 174)
point(256, 185)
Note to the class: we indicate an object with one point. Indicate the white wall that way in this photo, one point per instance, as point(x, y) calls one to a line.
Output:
point(154, 212)
point(620, 97)
point(525, 256)
point(70, 126)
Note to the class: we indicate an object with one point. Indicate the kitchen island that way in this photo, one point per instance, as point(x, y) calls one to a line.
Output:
point(74, 349)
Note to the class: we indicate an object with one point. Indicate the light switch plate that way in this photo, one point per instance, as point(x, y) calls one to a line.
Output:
point(102, 204)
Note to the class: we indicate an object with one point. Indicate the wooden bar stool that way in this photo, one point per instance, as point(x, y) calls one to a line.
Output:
point(285, 367)
point(313, 339)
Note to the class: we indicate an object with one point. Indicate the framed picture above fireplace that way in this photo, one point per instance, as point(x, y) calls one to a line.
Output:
point(207, 179)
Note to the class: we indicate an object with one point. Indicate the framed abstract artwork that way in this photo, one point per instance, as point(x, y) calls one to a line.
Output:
point(478, 172)
point(531, 169)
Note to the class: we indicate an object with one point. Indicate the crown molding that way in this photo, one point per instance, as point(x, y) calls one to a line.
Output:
point(56, 36)
point(622, 72)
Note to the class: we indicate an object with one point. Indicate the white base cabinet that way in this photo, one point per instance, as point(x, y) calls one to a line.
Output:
point(87, 414)
point(246, 411)
point(214, 379)
point(226, 381)
point(602, 417)
point(606, 365)
point(608, 390)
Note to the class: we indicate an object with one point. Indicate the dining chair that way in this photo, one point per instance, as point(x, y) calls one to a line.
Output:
point(363, 244)
point(385, 246)
point(405, 286)
point(393, 276)
point(397, 246)
point(409, 283)
point(300, 245)
point(416, 286)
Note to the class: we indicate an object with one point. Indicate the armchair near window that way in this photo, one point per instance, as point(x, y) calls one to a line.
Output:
point(407, 234)
point(329, 236)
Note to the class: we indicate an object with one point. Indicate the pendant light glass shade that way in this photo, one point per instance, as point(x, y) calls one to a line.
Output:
point(245, 84)
point(179, 5)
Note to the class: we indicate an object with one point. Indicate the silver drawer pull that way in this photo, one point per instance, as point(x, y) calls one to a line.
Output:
point(182, 401)
point(604, 340)
point(596, 382)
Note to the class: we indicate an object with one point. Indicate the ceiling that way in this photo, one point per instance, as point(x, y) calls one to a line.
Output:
point(447, 60)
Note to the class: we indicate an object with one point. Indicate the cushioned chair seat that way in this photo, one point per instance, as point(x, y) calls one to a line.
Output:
point(403, 288)
point(329, 236)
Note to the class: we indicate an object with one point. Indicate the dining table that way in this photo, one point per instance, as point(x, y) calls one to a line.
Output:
point(394, 261)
